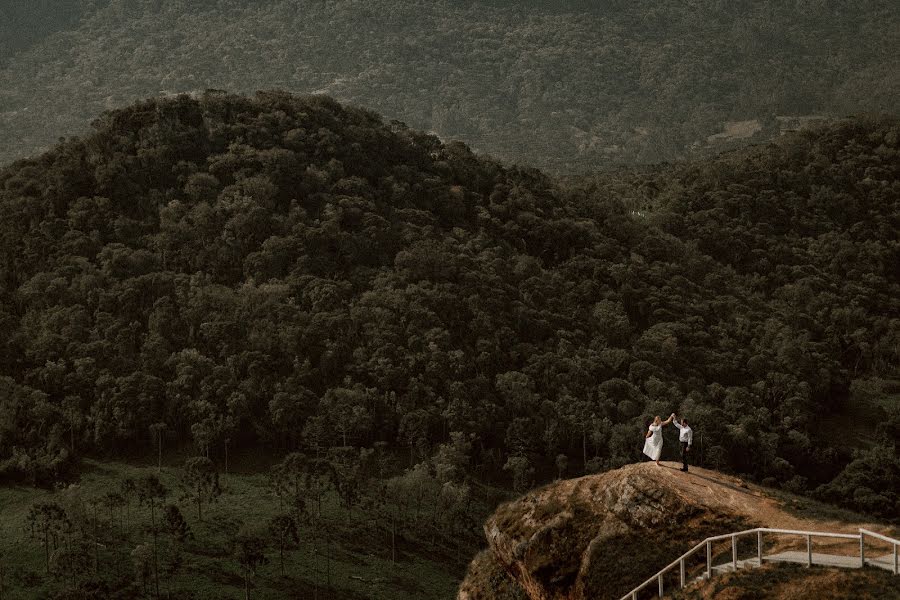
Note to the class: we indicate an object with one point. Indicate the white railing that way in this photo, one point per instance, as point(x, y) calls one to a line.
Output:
point(760, 556)
point(894, 543)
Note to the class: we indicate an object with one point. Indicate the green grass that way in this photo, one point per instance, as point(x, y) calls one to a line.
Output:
point(358, 561)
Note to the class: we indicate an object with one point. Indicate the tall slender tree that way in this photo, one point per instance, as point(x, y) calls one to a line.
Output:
point(284, 531)
point(157, 430)
point(48, 520)
point(151, 493)
point(201, 481)
point(249, 552)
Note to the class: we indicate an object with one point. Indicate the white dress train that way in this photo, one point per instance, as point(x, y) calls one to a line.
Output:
point(653, 444)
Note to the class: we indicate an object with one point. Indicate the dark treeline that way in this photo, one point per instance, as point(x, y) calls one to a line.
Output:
point(289, 274)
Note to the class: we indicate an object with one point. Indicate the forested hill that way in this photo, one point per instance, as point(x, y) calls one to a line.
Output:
point(288, 273)
point(568, 85)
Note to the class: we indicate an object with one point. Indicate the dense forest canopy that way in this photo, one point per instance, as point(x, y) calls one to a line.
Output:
point(287, 273)
point(568, 85)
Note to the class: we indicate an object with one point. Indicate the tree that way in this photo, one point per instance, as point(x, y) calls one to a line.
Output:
point(174, 523)
point(419, 487)
point(90, 528)
point(157, 430)
point(74, 560)
point(151, 493)
point(249, 552)
point(172, 559)
point(113, 501)
point(455, 500)
point(562, 462)
point(128, 489)
point(47, 519)
point(74, 412)
point(414, 428)
point(346, 410)
point(451, 460)
point(521, 470)
point(350, 469)
point(288, 478)
point(394, 502)
point(283, 529)
point(202, 482)
point(581, 415)
point(142, 561)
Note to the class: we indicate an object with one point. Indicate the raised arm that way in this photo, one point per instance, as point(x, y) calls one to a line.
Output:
point(669, 420)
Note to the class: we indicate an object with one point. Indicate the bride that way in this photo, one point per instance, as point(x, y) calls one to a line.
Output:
point(654, 439)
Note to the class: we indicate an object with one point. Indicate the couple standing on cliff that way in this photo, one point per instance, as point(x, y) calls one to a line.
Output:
point(654, 439)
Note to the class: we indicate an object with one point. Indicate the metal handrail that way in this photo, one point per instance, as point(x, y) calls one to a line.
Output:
point(658, 577)
point(894, 543)
point(846, 536)
point(884, 538)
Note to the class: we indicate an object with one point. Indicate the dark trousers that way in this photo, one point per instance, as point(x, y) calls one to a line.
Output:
point(684, 455)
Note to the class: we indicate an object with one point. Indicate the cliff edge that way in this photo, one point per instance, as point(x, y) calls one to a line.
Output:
point(600, 535)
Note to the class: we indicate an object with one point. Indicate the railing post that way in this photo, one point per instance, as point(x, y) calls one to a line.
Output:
point(808, 550)
point(633, 595)
point(862, 549)
point(660, 585)
point(896, 564)
point(708, 560)
point(734, 551)
point(681, 566)
point(759, 547)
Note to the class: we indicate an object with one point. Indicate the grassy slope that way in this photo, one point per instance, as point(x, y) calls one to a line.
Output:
point(360, 564)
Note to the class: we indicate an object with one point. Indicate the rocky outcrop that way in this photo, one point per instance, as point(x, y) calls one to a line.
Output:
point(599, 536)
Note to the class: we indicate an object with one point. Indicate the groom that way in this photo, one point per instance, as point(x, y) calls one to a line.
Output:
point(686, 437)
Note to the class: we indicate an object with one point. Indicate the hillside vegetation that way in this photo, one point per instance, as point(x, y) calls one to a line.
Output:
point(288, 273)
point(569, 85)
point(386, 323)
point(101, 543)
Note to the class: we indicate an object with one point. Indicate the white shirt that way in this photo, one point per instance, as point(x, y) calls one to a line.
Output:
point(686, 433)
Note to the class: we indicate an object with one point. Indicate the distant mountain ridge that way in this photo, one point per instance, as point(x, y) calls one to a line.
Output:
point(566, 85)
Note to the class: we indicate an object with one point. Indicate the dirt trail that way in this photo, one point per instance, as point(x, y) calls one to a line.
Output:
point(723, 492)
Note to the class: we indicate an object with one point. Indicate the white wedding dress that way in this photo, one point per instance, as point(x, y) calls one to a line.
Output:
point(654, 443)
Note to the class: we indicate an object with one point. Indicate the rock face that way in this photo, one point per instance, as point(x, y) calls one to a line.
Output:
point(599, 536)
